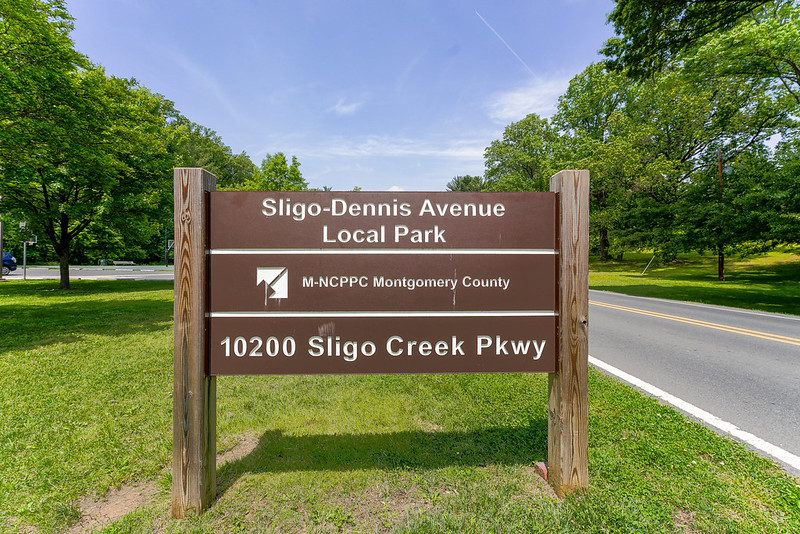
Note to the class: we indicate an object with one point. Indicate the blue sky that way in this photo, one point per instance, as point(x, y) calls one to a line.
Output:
point(377, 94)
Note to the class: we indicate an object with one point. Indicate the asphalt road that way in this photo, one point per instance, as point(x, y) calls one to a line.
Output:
point(135, 272)
point(741, 366)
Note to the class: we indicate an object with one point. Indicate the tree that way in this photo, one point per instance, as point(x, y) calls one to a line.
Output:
point(691, 122)
point(198, 146)
point(591, 115)
point(275, 174)
point(87, 158)
point(652, 32)
point(652, 144)
point(102, 158)
point(763, 46)
point(525, 159)
point(742, 208)
point(37, 60)
point(466, 183)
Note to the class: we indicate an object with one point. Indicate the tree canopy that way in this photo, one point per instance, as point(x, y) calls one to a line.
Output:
point(525, 158)
point(199, 146)
point(651, 32)
point(466, 183)
point(274, 174)
point(654, 147)
point(103, 158)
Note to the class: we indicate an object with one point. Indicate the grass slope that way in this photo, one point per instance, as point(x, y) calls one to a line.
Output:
point(85, 385)
point(768, 282)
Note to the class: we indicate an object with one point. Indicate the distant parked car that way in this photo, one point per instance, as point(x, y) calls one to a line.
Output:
point(9, 263)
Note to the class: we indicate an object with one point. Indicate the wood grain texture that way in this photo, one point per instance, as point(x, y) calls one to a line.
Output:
point(568, 434)
point(194, 392)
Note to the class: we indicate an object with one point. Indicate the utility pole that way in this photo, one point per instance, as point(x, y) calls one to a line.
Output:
point(720, 247)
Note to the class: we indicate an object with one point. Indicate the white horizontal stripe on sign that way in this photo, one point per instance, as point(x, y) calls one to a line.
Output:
point(513, 313)
point(398, 251)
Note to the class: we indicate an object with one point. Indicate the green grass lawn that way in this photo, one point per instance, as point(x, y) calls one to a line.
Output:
point(85, 405)
point(768, 282)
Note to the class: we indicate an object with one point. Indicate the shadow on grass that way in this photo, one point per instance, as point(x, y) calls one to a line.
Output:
point(412, 450)
point(71, 317)
point(49, 288)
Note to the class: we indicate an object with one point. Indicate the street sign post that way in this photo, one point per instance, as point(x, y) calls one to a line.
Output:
point(355, 282)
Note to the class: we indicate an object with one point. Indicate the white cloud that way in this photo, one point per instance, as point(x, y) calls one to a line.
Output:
point(342, 107)
point(381, 163)
point(539, 96)
point(383, 146)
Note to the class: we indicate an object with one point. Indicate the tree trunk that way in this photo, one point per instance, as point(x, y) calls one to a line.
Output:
point(63, 260)
point(604, 244)
point(720, 264)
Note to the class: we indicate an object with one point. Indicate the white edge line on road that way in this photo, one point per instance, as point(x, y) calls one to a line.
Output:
point(708, 418)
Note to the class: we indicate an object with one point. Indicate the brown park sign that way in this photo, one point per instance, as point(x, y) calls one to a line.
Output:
point(322, 282)
point(319, 282)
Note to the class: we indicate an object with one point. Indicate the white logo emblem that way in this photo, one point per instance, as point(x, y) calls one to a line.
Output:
point(275, 280)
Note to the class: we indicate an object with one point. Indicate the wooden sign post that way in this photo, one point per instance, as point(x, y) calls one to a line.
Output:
point(323, 283)
point(194, 402)
point(568, 421)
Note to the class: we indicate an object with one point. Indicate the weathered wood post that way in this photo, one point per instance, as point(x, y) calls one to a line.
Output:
point(194, 391)
point(568, 434)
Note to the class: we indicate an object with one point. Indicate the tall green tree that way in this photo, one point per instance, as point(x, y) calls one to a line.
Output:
point(763, 46)
point(529, 153)
point(651, 33)
point(199, 146)
point(104, 159)
point(275, 174)
point(690, 123)
point(652, 144)
point(466, 183)
point(732, 209)
point(592, 116)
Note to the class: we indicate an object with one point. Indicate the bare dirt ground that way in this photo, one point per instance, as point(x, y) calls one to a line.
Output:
point(97, 512)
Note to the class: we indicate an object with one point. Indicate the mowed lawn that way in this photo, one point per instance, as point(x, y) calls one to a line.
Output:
point(767, 282)
point(85, 405)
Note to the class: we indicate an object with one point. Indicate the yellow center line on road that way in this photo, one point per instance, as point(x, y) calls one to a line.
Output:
point(696, 322)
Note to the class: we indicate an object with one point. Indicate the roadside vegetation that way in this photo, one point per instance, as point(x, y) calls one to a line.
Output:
point(767, 282)
point(85, 407)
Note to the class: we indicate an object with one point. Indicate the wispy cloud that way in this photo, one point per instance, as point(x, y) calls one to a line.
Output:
point(343, 107)
point(384, 146)
point(539, 96)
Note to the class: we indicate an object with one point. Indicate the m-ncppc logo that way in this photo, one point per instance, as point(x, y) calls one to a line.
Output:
point(275, 280)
